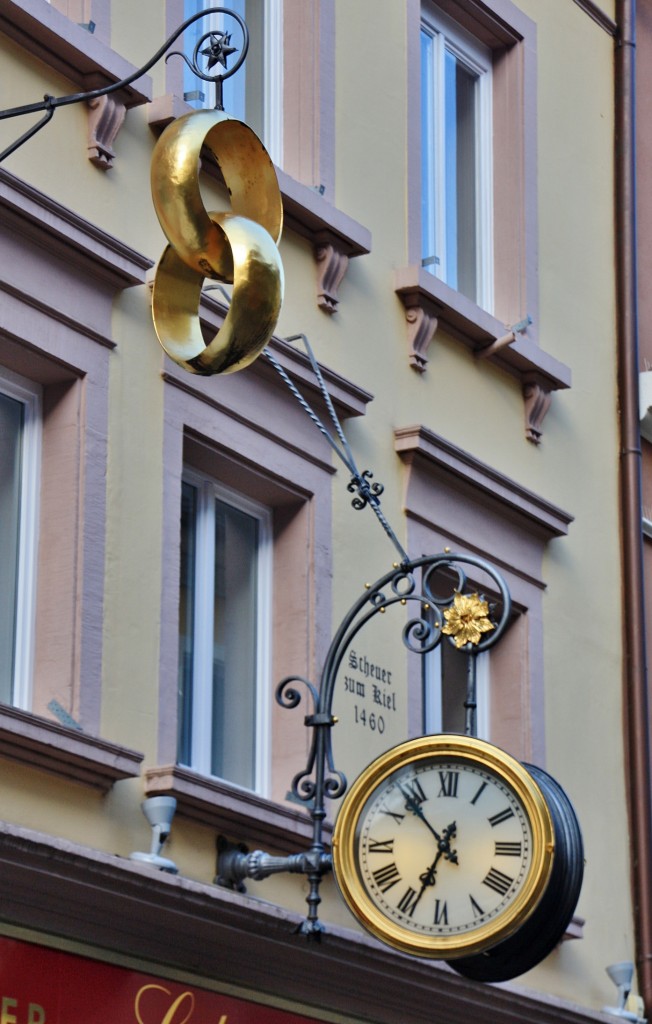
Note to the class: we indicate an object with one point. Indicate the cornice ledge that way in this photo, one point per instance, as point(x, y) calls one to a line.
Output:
point(335, 237)
point(108, 902)
point(419, 443)
point(68, 753)
point(48, 221)
point(242, 815)
point(430, 305)
point(69, 49)
point(602, 19)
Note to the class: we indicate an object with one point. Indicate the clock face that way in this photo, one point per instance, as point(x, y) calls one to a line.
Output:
point(443, 846)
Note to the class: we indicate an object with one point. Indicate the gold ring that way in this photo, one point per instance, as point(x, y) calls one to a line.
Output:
point(238, 247)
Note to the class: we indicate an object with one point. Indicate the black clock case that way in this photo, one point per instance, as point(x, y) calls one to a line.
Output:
point(544, 928)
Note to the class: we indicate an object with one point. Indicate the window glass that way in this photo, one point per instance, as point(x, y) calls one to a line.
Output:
point(456, 160)
point(186, 619)
point(445, 674)
point(19, 455)
point(224, 633)
point(11, 431)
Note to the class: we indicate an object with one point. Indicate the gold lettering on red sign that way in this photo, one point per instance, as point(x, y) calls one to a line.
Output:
point(174, 1013)
point(6, 1016)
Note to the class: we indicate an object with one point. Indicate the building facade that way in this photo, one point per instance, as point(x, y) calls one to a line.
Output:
point(177, 544)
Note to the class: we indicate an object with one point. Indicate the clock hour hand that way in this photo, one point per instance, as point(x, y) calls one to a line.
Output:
point(429, 877)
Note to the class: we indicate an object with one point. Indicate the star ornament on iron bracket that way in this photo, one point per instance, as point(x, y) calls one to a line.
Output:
point(219, 49)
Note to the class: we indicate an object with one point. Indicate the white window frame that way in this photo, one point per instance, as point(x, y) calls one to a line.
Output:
point(433, 697)
point(30, 396)
point(447, 35)
point(208, 491)
point(273, 71)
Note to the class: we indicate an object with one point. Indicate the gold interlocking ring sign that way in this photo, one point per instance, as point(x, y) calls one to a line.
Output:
point(238, 248)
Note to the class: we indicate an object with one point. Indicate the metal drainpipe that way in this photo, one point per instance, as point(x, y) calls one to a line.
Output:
point(636, 713)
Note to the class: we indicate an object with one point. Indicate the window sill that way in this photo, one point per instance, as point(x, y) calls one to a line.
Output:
point(240, 813)
point(70, 50)
point(70, 754)
point(334, 236)
point(430, 305)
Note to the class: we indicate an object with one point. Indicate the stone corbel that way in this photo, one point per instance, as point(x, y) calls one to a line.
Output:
point(332, 262)
point(536, 399)
point(421, 316)
point(106, 115)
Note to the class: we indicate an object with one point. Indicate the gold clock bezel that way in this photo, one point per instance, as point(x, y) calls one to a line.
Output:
point(433, 748)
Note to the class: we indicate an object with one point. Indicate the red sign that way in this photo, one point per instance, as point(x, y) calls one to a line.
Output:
point(45, 986)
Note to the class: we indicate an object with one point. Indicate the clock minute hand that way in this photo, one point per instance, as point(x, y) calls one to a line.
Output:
point(429, 877)
point(413, 805)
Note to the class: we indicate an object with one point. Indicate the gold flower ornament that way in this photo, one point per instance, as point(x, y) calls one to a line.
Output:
point(467, 619)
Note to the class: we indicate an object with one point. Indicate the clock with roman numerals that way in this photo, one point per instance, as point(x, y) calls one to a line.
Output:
point(446, 847)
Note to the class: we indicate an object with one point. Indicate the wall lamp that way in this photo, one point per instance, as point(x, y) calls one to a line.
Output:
point(159, 811)
point(622, 975)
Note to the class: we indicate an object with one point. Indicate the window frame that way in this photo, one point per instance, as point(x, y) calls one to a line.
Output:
point(64, 347)
point(446, 35)
point(209, 491)
point(453, 501)
point(431, 307)
point(29, 394)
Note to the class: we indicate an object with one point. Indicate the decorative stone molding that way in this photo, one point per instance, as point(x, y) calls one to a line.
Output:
point(422, 317)
point(106, 115)
point(332, 264)
point(537, 399)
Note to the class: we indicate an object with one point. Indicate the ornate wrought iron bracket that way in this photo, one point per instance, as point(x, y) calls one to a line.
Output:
point(447, 608)
point(459, 615)
point(214, 46)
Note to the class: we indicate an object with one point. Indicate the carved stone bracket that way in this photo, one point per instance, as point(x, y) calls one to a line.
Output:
point(422, 317)
point(332, 262)
point(106, 115)
point(536, 400)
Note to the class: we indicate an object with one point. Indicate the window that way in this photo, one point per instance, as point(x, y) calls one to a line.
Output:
point(456, 158)
point(455, 501)
point(444, 693)
point(253, 94)
point(20, 418)
point(224, 633)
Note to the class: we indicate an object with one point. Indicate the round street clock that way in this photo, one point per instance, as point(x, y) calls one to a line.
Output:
point(447, 847)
